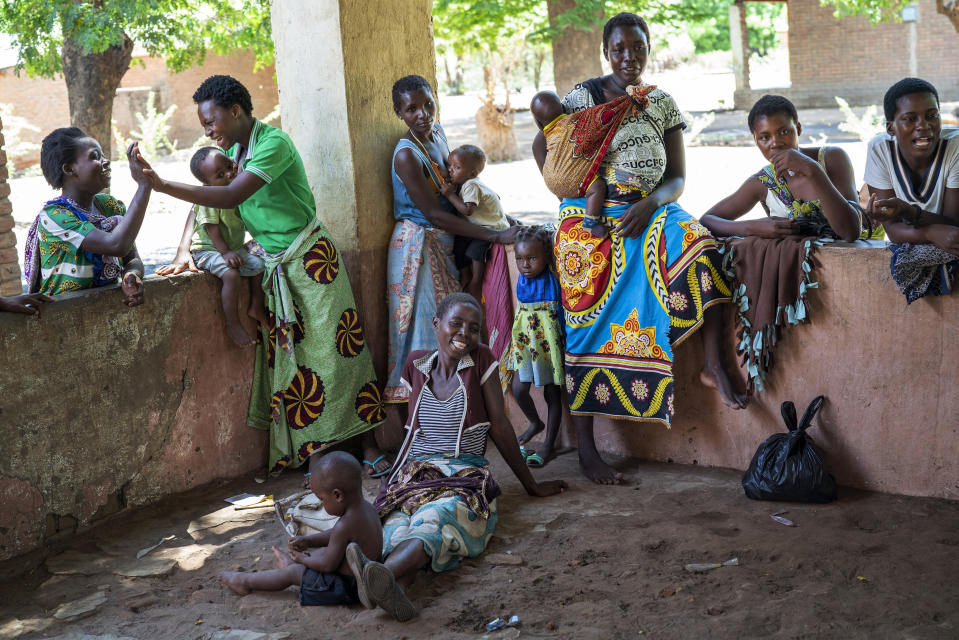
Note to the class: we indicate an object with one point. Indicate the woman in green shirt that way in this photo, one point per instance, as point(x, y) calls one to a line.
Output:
point(314, 383)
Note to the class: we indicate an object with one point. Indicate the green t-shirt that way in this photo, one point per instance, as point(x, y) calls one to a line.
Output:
point(281, 208)
point(231, 228)
point(63, 265)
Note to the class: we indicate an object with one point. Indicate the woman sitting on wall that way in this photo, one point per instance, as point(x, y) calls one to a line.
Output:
point(84, 238)
point(912, 172)
point(314, 383)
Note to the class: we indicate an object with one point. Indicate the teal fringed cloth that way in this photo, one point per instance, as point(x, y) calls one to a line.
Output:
point(770, 280)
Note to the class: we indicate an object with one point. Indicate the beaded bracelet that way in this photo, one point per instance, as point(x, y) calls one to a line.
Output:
point(589, 223)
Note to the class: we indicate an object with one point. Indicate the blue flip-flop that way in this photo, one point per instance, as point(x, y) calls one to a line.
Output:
point(535, 461)
point(372, 465)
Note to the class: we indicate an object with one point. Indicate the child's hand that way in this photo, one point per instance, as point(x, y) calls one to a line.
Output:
point(132, 287)
point(298, 543)
point(179, 265)
point(298, 556)
point(448, 189)
point(232, 259)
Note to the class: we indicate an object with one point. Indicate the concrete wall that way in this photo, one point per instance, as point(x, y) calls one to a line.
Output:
point(889, 373)
point(43, 102)
point(340, 115)
point(104, 407)
point(858, 61)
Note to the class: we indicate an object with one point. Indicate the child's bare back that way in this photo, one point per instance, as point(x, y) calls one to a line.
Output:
point(318, 563)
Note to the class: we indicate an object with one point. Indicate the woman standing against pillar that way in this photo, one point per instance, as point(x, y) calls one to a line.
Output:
point(420, 267)
point(314, 383)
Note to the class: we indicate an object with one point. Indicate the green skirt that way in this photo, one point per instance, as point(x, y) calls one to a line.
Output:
point(313, 384)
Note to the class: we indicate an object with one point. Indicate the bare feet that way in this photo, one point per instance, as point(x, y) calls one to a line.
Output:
point(593, 467)
point(718, 379)
point(239, 335)
point(236, 581)
point(258, 313)
point(530, 433)
point(283, 560)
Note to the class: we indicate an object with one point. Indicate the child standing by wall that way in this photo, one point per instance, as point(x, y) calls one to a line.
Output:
point(536, 355)
point(478, 203)
point(217, 245)
point(323, 574)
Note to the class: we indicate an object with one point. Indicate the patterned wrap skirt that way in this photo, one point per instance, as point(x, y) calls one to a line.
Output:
point(454, 518)
point(419, 273)
point(627, 303)
point(313, 383)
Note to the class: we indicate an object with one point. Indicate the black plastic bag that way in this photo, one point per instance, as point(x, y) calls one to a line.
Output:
point(787, 466)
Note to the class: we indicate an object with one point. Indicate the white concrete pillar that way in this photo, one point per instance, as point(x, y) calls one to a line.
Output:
point(336, 61)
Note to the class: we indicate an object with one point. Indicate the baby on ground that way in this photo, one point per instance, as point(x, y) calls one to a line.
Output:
point(478, 203)
point(318, 563)
point(217, 245)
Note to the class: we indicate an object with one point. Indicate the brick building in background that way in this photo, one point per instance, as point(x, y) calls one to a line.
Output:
point(43, 102)
point(852, 58)
point(9, 265)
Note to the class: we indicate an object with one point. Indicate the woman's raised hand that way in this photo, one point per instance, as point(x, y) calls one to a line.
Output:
point(140, 169)
point(636, 219)
point(792, 162)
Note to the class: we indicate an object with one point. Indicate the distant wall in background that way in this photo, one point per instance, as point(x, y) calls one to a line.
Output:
point(856, 60)
point(43, 102)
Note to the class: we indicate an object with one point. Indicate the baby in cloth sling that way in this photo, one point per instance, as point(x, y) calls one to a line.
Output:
point(576, 145)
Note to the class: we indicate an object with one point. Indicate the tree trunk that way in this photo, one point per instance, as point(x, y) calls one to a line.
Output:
point(577, 54)
point(494, 123)
point(92, 81)
point(538, 58)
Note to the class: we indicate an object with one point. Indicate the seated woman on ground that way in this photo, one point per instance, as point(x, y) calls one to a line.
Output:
point(912, 172)
point(83, 238)
point(439, 502)
point(804, 190)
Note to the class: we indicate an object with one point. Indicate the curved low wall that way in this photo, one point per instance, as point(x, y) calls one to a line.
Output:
point(890, 373)
point(104, 407)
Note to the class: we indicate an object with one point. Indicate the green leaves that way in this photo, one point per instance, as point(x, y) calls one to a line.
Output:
point(875, 10)
point(181, 30)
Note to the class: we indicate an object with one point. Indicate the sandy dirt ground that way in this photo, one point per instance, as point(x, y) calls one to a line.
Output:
point(594, 562)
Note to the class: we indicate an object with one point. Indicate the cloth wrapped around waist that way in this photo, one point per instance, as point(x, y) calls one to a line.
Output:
point(425, 479)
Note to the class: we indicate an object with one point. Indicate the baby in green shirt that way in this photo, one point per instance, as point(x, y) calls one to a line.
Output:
point(217, 245)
